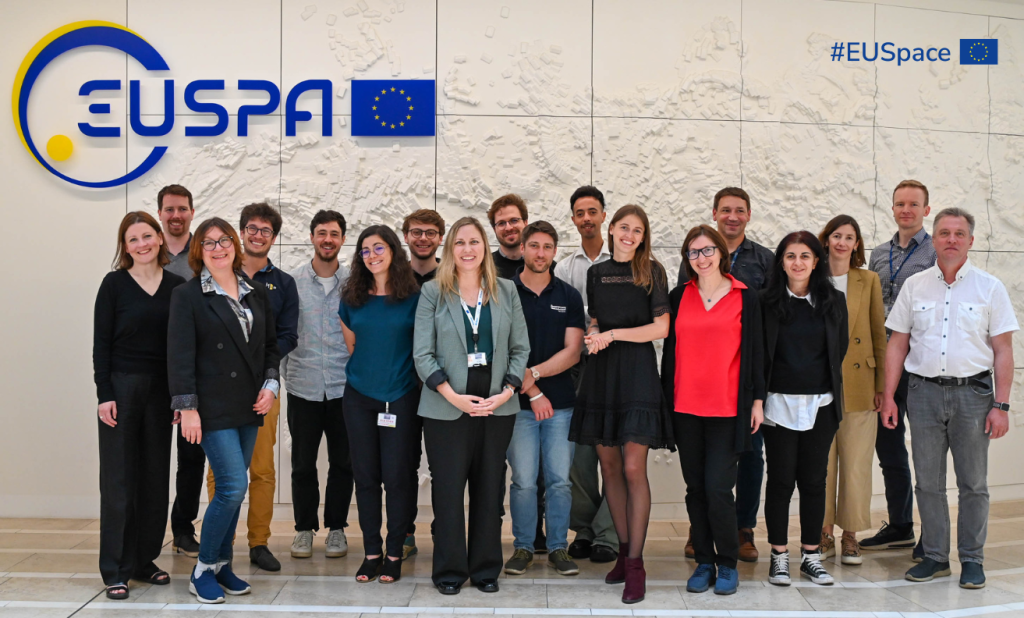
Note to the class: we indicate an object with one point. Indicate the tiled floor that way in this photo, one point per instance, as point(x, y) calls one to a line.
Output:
point(48, 569)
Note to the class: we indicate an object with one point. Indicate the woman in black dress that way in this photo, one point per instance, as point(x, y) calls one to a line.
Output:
point(620, 408)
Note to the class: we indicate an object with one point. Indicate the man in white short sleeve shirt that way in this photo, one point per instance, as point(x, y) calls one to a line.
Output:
point(952, 324)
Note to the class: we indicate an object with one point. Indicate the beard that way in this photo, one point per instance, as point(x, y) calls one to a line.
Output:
point(325, 258)
point(547, 266)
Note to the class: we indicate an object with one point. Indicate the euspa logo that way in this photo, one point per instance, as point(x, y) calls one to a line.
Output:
point(111, 35)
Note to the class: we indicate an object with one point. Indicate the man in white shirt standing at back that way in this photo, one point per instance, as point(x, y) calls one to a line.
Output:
point(589, 517)
point(957, 324)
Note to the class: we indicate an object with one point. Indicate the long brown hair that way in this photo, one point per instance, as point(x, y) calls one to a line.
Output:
point(645, 267)
point(857, 259)
point(401, 281)
point(195, 250)
point(122, 259)
point(447, 276)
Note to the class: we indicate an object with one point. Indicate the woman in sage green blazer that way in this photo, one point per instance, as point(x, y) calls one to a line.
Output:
point(470, 348)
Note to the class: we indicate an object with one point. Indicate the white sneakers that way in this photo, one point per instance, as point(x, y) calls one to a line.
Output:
point(337, 544)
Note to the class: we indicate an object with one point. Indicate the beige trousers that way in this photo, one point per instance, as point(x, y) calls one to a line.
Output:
point(848, 485)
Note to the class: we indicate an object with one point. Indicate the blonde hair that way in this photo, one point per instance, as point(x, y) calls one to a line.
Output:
point(447, 277)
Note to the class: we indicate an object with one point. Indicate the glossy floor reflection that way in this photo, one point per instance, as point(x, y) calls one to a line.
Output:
point(48, 568)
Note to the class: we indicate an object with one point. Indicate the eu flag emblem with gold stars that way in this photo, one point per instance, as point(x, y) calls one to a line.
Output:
point(393, 107)
point(979, 51)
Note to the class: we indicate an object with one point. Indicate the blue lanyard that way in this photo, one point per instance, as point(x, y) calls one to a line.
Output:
point(474, 320)
point(735, 255)
point(893, 275)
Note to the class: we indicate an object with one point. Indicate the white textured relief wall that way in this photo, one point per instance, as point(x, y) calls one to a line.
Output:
point(656, 102)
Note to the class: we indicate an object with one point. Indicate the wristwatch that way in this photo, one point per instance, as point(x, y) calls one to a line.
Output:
point(1005, 407)
point(536, 374)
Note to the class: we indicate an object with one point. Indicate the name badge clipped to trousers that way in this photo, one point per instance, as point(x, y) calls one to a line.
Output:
point(386, 419)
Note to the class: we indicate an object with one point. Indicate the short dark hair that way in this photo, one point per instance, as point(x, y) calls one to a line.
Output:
point(734, 192)
point(586, 191)
point(173, 190)
point(424, 216)
point(263, 211)
point(508, 200)
point(542, 227)
point(195, 249)
point(327, 216)
point(714, 236)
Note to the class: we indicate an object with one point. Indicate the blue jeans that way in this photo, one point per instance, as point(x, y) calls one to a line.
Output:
point(534, 442)
point(749, 475)
point(229, 452)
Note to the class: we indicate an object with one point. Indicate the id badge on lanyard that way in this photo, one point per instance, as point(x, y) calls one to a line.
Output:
point(386, 418)
point(475, 358)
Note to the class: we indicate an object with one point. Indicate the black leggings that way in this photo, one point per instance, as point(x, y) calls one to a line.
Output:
point(798, 458)
point(384, 455)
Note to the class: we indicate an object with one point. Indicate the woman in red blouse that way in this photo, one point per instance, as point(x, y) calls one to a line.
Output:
point(713, 379)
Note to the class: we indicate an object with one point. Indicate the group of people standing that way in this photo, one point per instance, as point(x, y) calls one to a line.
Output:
point(509, 359)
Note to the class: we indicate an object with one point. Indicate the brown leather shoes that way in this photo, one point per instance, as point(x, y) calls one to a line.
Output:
point(688, 550)
point(748, 553)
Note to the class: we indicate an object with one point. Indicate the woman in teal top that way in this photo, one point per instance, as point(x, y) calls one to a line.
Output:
point(378, 314)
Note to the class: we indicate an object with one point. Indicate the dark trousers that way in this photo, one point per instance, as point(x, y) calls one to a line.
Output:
point(749, 475)
point(707, 454)
point(135, 464)
point(893, 458)
point(309, 422)
point(188, 484)
point(798, 459)
point(384, 455)
point(470, 450)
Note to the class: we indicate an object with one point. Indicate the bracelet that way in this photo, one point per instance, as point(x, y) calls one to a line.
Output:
point(511, 388)
point(536, 397)
point(612, 334)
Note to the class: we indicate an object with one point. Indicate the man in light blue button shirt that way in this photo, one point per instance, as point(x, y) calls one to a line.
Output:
point(314, 374)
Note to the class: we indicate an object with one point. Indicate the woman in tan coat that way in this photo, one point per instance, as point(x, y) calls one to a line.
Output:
point(850, 459)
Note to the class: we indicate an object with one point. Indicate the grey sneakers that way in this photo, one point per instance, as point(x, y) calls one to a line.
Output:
point(337, 543)
point(302, 544)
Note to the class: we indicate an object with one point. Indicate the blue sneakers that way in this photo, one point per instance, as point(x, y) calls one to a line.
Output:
point(728, 580)
point(232, 584)
point(205, 587)
point(701, 579)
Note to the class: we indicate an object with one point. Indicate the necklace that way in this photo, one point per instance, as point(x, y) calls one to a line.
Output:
point(709, 297)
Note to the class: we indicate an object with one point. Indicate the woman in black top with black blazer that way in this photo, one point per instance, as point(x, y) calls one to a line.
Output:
point(130, 366)
point(806, 336)
point(223, 368)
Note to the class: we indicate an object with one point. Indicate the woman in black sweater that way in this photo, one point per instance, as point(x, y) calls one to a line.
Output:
point(806, 336)
point(129, 357)
point(222, 362)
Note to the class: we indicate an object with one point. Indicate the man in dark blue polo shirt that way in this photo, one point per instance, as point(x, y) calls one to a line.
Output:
point(554, 319)
point(259, 226)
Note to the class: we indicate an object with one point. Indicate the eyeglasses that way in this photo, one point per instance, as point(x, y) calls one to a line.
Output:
point(265, 232)
point(211, 245)
point(708, 251)
point(500, 225)
point(418, 233)
point(377, 249)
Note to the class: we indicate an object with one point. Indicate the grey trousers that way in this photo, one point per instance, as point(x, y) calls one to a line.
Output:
point(951, 419)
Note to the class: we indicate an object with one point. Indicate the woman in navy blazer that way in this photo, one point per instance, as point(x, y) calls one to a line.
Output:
point(222, 360)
